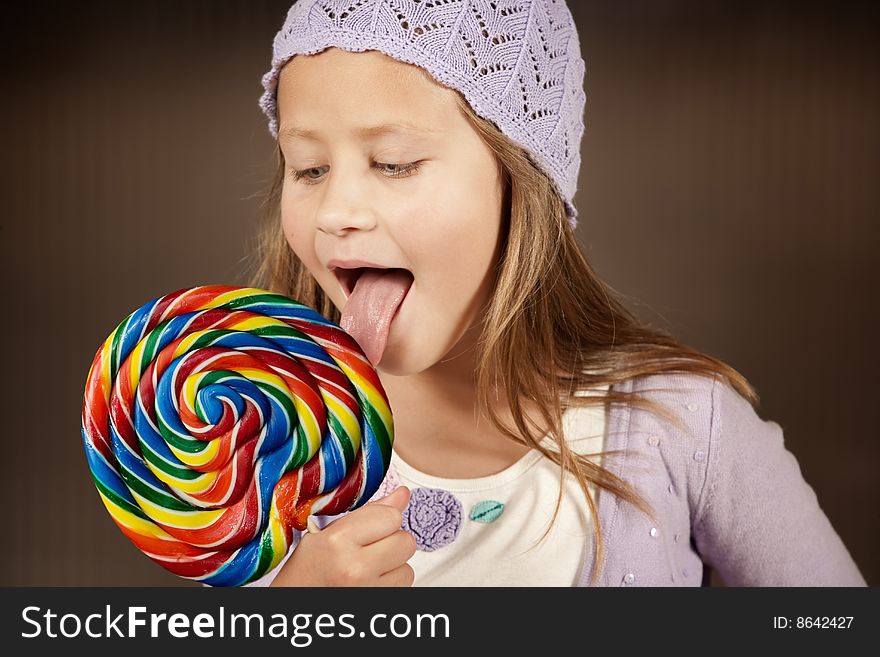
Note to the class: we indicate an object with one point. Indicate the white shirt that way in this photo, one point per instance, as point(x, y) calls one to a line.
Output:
point(469, 552)
point(500, 552)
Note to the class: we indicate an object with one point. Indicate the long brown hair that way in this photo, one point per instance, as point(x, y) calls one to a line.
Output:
point(552, 327)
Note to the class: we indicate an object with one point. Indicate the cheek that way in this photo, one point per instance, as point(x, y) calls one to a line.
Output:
point(298, 236)
point(457, 242)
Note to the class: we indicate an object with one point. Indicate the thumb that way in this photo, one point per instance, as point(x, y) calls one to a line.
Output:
point(398, 498)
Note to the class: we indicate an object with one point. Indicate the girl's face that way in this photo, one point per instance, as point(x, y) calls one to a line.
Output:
point(427, 199)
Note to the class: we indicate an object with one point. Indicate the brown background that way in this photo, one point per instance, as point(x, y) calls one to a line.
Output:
point(728, 189)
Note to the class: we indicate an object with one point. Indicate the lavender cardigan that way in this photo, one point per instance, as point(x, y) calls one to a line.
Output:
point(727, 494)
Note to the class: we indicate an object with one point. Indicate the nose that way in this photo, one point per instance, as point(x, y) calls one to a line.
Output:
point(344, 205)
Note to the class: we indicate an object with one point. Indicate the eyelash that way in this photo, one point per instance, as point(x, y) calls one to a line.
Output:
point(407, 170)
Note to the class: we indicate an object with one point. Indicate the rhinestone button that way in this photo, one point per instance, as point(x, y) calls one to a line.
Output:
point(699, 455)
point(630, 578)
point(675, 538)
point(653, 440)
point(670, 488)
point(692, 406)
point(653, 532)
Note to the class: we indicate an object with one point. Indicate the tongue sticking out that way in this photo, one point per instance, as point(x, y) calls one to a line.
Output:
point(371, 306)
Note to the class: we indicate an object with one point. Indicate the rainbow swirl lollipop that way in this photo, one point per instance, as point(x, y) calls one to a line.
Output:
point(216, 419)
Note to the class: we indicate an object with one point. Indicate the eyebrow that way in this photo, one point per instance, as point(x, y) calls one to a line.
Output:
point(291, 132)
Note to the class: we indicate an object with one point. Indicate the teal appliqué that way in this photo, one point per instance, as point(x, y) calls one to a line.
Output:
point(487, 511)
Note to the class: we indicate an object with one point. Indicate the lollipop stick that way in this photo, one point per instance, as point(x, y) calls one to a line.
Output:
point(312, 526)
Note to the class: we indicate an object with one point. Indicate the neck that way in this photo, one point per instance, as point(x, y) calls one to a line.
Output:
point(438, 427)
point(426, 403)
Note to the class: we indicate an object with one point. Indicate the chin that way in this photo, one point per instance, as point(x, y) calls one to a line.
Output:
point(409, 359)
point(395, 363)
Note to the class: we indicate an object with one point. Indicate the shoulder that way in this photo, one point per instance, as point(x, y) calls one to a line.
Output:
point(702, 403)
point(679, 388)
point(707, 412)
point(691, 400)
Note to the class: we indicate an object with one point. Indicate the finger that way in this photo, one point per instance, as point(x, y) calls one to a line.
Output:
point(398, 498)
point(368, 524)
point(400, 576)
point(390, 552)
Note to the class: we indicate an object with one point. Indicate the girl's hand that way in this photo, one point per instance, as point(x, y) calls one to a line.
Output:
point(366, 547)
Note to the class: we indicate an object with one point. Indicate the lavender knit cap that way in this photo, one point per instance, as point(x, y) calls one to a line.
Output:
point(517, 62)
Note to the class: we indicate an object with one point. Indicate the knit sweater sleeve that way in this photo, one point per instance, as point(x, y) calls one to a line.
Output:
point(759, 523)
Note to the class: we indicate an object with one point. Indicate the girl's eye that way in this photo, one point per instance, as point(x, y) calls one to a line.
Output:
point(393, 171)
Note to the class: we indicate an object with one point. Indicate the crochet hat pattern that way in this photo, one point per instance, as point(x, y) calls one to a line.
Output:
point(517, 63)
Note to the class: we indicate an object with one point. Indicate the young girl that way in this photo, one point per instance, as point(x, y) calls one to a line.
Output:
point(427, 162)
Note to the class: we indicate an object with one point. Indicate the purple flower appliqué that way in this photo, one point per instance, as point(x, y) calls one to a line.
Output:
point(433, 517)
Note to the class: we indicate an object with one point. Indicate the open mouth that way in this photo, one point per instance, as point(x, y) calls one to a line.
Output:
point(348, 278)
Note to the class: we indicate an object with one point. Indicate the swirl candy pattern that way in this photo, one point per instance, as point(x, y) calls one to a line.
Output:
point(216, 419)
